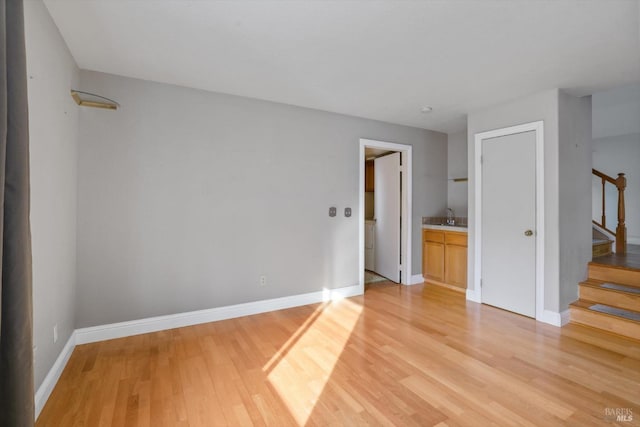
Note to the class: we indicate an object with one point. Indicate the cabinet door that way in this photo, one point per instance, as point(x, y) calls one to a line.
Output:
point(433, 261)
point(456, 265)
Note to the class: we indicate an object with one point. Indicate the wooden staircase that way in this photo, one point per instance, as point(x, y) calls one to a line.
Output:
point(601, 243)
point(601, 247)
point(610, 300)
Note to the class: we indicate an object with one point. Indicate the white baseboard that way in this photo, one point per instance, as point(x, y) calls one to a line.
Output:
point(554, 318)
point(472, 295)
point(336, 294)
point(160, 323)
point(45, 389)
point(547, 316)
point(417, 279)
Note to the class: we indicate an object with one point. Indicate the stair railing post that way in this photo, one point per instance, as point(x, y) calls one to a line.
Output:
point(604, 216)
point(621, 229)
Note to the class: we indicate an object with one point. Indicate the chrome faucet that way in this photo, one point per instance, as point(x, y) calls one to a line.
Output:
point(450, 217)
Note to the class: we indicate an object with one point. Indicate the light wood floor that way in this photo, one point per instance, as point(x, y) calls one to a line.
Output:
point(403, 356)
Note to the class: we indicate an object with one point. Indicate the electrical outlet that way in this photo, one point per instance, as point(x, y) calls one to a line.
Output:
point(263, 280)
point(55, 333)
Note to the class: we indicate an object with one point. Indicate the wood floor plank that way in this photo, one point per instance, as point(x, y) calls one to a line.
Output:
point(418, 355)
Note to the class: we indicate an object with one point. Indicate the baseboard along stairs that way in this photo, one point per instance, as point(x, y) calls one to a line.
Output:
point(610, 300)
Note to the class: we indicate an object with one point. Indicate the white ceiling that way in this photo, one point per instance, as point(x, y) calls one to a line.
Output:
point(382, 60)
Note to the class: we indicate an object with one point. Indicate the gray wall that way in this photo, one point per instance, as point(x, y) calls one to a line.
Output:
point(457, 168)
point(574, 157)
point(540, 106)
point(53, 128)
point(187, 197)
point(616, 111)
point(612, 155)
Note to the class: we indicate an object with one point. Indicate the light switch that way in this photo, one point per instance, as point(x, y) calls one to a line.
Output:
point(347, 212)
point(332, 211)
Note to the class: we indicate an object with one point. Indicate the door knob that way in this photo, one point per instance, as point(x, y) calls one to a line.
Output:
point(528, 233)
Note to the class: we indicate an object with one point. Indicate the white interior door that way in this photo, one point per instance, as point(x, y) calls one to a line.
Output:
point(508, 222)
point(387, 215)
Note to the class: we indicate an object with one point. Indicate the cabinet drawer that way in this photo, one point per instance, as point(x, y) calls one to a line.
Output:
point(433, 236)
point(453, 238)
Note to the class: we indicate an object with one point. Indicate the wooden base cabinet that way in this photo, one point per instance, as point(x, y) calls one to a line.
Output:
point(433, 260)
point(444, 257)
point(456, 266)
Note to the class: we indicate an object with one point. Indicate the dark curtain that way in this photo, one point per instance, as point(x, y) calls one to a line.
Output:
point(16, 348)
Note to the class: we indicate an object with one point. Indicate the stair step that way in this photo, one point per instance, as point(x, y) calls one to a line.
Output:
point(613, 294)
point(613, 319)
point(597, 234)
point(601, 247)
point(602, 241)
point(614, 274)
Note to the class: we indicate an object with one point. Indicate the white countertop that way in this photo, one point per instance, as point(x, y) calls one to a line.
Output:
point(445, 227)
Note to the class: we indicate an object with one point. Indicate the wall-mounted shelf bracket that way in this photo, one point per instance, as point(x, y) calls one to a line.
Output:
point(87, 99)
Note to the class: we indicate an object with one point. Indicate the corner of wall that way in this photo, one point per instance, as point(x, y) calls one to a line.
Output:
point(575, 191)
point(53, 128)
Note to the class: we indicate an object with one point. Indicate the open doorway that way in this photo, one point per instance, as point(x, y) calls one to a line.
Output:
point(385, 218)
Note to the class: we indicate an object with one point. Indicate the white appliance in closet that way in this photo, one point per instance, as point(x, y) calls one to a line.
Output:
point(369, 247)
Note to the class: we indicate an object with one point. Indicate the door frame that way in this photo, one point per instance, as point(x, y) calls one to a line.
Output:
point(538, 128)
point(406, 207)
